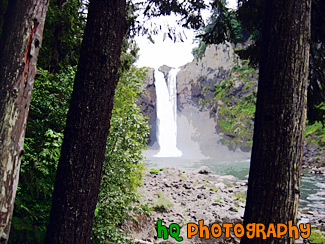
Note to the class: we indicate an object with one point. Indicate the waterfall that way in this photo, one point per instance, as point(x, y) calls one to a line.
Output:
point(166, 114)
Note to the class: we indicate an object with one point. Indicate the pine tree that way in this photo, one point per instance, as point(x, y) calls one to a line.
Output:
point(274, 178)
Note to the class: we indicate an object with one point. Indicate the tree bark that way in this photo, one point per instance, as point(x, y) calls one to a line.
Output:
point(274, 178)
point(19, 46)
point(79, 171)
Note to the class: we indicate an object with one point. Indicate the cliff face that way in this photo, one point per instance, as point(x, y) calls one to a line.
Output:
point(225, 86)
point(195, 85)
point(216, 84)
point(218, 89)
point(201, 75)
point(147, 101)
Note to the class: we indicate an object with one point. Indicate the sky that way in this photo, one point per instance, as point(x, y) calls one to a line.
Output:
point(166, 51)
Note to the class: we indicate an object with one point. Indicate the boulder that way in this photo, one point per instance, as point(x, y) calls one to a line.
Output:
point(204, 170)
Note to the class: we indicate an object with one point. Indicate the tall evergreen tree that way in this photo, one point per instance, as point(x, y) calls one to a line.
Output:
point(79, 170)
point(63, 33)
point(274, 178)
point(20, 41)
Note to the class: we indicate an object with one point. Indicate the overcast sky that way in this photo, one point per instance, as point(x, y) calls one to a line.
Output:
point(167, 52)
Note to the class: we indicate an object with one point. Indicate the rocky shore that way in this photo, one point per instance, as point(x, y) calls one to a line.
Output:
point(186, 197)
point(313, 159)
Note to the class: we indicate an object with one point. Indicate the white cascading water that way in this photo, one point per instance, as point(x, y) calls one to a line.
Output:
point(166, 114)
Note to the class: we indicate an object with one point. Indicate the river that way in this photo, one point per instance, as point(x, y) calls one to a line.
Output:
point(311, 185)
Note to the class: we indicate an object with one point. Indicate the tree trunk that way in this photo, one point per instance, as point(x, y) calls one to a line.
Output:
point(19, 46)
point(274, 178)
point(3, 9)
point(79, 171)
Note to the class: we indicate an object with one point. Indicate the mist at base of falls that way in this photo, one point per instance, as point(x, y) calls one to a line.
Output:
point(187, 139)
point(198, 142)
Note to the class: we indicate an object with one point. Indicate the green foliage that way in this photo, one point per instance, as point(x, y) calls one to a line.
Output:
point(189, 10)
point(155, 171)
point(162, 203)
point(317, 236)
point(199, 51)
point(50, 102)
point(217, 200)
point(123, 165)
point(241, 196)
point(223, 25)
point(321, 107)
point(45, 125)
point(62, 37)
point(251, 15)
point(316, 88)
point(144, 209)
point(236, 114)
point(33, 198)
point(315, 133)
point(122, 169)
point(237, 33)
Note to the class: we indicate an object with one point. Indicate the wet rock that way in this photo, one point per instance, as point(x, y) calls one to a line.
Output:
point(204, 170)
point(167, 185)
point(187, 186)
point(322, 193)
point(147, 102)
point(165, 70)
point(220, 186)
point(228, 178)
point(232, 209)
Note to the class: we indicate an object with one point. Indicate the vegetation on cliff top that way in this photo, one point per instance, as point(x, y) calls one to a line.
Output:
point(234, 103)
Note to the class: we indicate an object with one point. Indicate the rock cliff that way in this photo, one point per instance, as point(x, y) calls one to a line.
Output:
point(221, 84)
point(225, 87)
point(147, 101)
point(203, 73)
point(196, 87)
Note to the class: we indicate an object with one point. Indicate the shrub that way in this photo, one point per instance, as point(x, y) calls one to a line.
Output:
point(162, 203)
point(45, 125)
point(123, 164)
